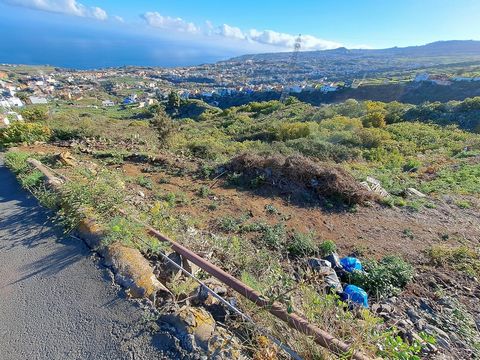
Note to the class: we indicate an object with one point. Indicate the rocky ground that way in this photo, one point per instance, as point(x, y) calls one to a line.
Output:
point(441, 300)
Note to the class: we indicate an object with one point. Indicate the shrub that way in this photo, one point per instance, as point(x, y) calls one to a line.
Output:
point(296, 130)
point(301, 244)
point(327, 247)
point(273, 236)
point(145, 182)
point(230, 224)
point(33, 114)
point(384, 278)
point(22, 132)
point(204, 191)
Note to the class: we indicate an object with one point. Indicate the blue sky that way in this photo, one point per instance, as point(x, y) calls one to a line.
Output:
point(94, 33)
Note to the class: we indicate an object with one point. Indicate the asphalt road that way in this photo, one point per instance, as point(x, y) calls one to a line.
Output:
point(56, 301)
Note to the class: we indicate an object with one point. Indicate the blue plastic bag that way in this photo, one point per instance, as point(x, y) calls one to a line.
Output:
point(350, 264)
point(356, 295)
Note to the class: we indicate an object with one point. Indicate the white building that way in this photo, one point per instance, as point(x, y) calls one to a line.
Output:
point(37, 100)
point(108, 103)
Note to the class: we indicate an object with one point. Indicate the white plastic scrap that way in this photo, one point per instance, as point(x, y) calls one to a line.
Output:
point(374, 185)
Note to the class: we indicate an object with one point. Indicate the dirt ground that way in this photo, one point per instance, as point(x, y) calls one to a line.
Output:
point(367, 231)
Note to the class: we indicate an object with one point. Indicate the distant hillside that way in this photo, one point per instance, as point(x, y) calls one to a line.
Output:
point(435, 49)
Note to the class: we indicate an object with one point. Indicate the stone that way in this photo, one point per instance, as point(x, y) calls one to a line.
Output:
point(132, 271)
point(194, 327)
point(412, 314)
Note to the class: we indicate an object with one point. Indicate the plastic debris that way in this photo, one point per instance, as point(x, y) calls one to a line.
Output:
point(318, 263)
point(374, 185)
point(355, 295)
point(351, 264)
point(414, 192)
point(332, 281)
point(334, 260)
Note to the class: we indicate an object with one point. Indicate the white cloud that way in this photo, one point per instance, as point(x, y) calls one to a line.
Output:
point(155, 19)
point(99, 13)
point(308, 42)
point(69, 7)
point(119, 18)
point(268, 39)
point(230, 32)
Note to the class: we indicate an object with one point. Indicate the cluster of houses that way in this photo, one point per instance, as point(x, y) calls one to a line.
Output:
point(9, 103)
point(442, 79)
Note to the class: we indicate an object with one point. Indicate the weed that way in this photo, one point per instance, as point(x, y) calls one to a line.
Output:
point(257, 181)
point(213, 206)
point(17, 161)
point(384, 278)
point(271, 209)
point(145, 182)
point(31, 180)
point(273, 236)
point(461, 258)
point(204, 191)
point(302, 244)
point(408, 233)
point(327, 247)
point(394, 347)
point(463, 204)
point(234, 178)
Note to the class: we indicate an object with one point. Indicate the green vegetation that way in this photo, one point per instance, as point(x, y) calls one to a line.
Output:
point(384, 278)
point(461, 258)
point(33, 114)
point(301, 244)
point(22, 132)
point(327, 248)
point(398, 144)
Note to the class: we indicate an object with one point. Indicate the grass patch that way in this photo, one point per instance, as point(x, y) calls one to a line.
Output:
point(460, 258)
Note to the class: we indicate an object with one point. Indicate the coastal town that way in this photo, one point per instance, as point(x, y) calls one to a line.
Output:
point(257, 77)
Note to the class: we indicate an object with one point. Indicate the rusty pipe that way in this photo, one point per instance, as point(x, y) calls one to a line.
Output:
point(295, 321)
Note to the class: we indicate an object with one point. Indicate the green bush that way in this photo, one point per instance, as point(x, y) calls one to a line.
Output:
point(384, 278)
point(32, 114)
point(296, 130)
point(327, 247)
point(22, 132)
point(302, 244)
point(273, 236)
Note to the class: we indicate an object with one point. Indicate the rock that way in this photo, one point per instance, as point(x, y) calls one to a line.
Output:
point(132, 271)
point(387, 308)
point(436, 331)
point(426, 307)
point(412, 314)
point(67, 159)
point(443, 342)
point(420, 324)
point(223, 345)
point(194, 327)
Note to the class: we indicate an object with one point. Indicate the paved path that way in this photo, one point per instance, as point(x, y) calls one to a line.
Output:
point(56, 302)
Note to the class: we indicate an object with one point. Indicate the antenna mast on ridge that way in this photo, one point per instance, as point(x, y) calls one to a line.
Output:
point(291, 66)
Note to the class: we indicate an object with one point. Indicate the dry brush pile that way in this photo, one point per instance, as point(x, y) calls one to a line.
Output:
point(326, 180)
